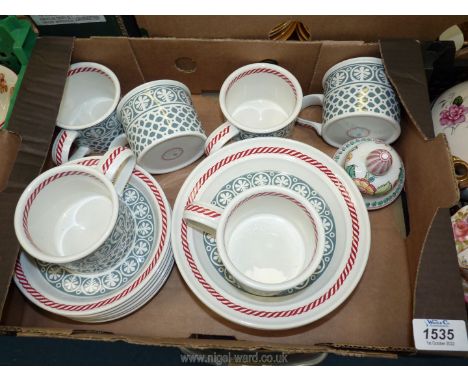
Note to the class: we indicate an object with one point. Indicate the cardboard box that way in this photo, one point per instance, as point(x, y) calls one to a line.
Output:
point(337, 28)
point(412, 270)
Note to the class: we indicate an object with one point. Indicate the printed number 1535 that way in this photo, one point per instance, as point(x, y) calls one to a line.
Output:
point(439, 334)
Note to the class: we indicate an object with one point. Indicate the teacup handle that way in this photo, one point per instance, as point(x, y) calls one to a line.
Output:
point(218, 138)
point(62, 146)
point(311, 100)
point(120, 140)
point(204, 217)
point(117, 165)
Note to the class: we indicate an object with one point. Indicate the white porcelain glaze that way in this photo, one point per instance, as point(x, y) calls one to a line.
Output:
point(257, 100)
point(270, 239)
point(70, 212)
point(91, 94)
point(291, 161)
point(87, 113)
point(138, 287)
point(8, 80)
point(450, 117)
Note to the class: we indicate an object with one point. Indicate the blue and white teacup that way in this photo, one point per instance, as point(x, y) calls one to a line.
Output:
point(87, 114)
point(162, 126)
point(358, 102)
point(75, 216)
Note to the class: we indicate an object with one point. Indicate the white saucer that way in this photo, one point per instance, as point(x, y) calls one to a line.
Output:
point(151, 248)
point(328, 179)
point(138, 300)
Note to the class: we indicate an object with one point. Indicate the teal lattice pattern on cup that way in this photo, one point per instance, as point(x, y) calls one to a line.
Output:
point(99, 284)
point(270, 177)
point(99, 137)
point(160, 123)
point(283, 133)
point(153, 97)
point(366, 98)
point(368, 73)
point(156, 113)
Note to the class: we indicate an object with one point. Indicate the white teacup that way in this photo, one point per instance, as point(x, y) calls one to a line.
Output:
point(269, 238)
point(72, 215)
point(87, 115)
point(257, 100)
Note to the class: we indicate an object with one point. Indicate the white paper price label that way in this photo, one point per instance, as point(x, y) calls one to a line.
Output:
point(444, 335)
point(62, 19)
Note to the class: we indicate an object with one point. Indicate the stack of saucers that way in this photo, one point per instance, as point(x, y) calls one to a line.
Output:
point(122, 288)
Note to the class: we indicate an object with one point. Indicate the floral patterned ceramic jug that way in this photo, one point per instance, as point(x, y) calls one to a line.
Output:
point(450, 117)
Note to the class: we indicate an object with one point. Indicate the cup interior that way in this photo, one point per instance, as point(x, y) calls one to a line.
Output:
point(260, 99)
point(270, 238)
point(90, 95)
point(68, 215)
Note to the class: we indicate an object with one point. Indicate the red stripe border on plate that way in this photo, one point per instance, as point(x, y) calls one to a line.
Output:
point(354, 241)
point(21, 277)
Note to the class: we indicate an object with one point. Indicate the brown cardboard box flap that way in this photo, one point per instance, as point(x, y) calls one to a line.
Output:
point(33, 120)
point(9, 146)
point(439, 267)
point(347, 28)
point(403, 63)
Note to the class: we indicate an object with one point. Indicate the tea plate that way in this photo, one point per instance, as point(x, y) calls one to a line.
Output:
point(8, 80)
point(42, 292)
point(138, 300)
point(328, 179)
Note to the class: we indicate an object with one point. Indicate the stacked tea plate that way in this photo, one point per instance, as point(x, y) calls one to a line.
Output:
point(225, 215)
point(8, 80)
point(123, 286)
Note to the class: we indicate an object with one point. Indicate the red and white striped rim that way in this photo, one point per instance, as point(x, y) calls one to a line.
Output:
point(37, 191)
point(162, 241)
point(93, 68)
point(269, 69)
point(87, 69)
point(216, 138)
point(273, 193)
point(351, 256)
point(240, 276)
point(263, 70)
